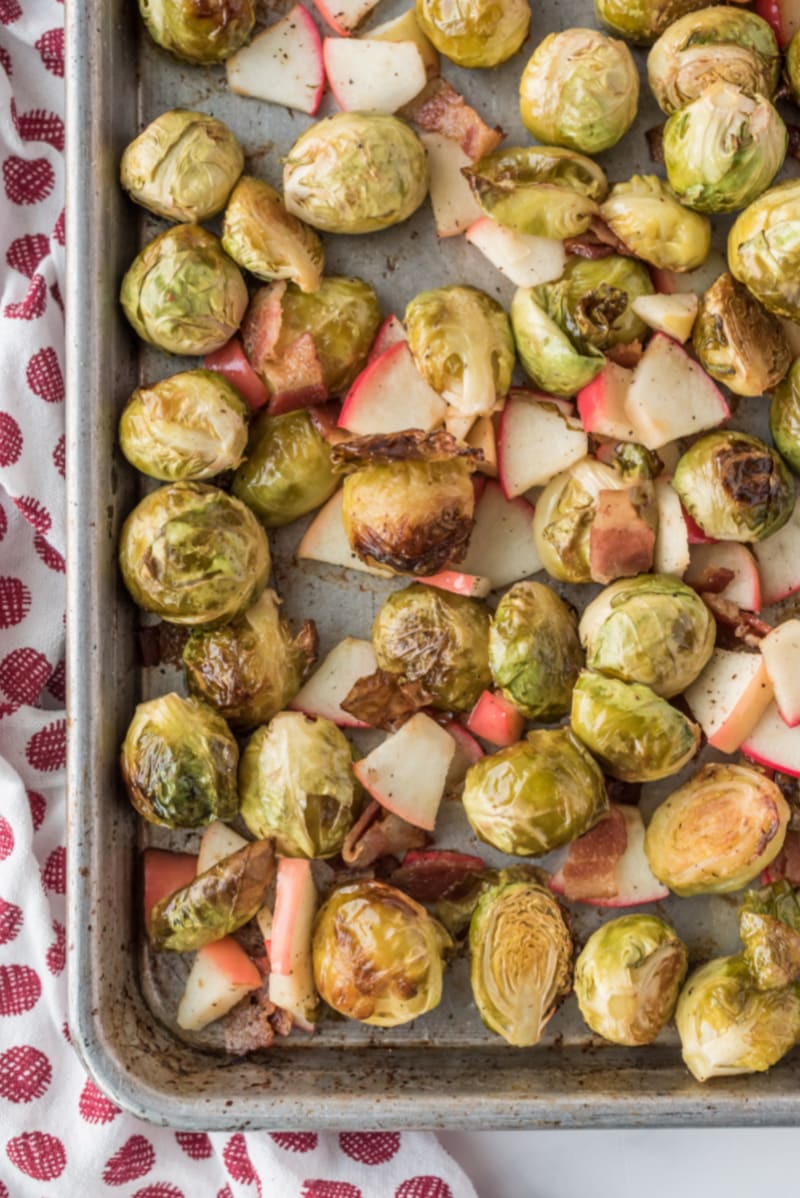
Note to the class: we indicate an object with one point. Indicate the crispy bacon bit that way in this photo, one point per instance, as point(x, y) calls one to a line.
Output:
point(628, 355)
point(621, 542)
point(655, 143)
point(379, 833)
point(435, 873)
point(786, 864)
point(713, 580)
point(162, 644)
point(324, 417)
point(440, 109)
point(385, 700)
point(584, 246)
point(745, 625)
point(254, 1022)
point(793, 147)
point(590, 870)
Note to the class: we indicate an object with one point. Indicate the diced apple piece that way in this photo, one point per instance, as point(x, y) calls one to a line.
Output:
point(524, 259)
point(608, 867)
point(781, 652)
point(668, 282)
point(291, 977)
point(332, 681)
point(501, 545)
point(671, 395)
point(264, 921)
point(221, 975)
point(406, 28)
point(406, 774)
point(454, 206)
point(282, 65)
point(779, 561)
point(344, 16)
point(539, 438)
point(783, 16)
point(373, 76)
point(390, 333)
point(744, 589)
point(671, 314)
point(218, 841)
point(730, 697)
point(326, 541)
point(601, 403)
point(390, 395)
point(457, 424)
point(494, 719)
point(164, 873)
point(672, 553)
point(232, 363)
point(468, 751)
point(774, 744)
point(482, 436)
point(471, 585)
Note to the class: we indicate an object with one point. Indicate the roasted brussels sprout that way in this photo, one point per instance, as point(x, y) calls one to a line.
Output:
point(183, 293)
point(378, 955)
point(646, 214)
point(262, 237)
point(628, 977)
point(192, 425)
point(591, 302)
point(355, 172)
point(652, 629)
point(287, 471)
point(718, 44)
point(199, 32)
point(718, 831)
point(536, 795)
point(641, 21)
point(216, 902)
point(722, 150)
point(250, 669)
point(183, 166)
point(477, 33)
point(547, 354)
point(764, 249)
point(735, 487)
point(461, 341)
point(534, 651)
point(179, 762)
point(193, 555)
point(635, 734)
point(438, 639)
point(784, 417)
point(793, 68)
point(738, 341)
point(520, 960)
point(543, 190)
point(580, 89)
point(297, 785)
point(769, 927)
point(456, 910)
point(727, 1026)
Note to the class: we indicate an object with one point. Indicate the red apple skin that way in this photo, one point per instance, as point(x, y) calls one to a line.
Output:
point(390, 333)
point(229, 958)
point(479, 486)
point(506, 416)
point(359, 392)
point(231, 362)
point(494, 719)
point(330, 19)
point(426, 822)
point(454, 581)
point(783, 16)
point(292, 880)
point(301, 13)
point(786, 864)
point(465, 741)
point(164, 873)
point(695, 532)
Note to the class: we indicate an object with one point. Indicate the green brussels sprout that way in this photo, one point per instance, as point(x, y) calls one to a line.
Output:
point(193, 555)
point(262, 237)
point(520, 960)
point(438, 639)
point(727, 1026)
point(534, 651)
point(793, 68)
point(642, 21)
point(179, 762)
point(737, 341)
point(652, 629)
point(769, 927)
point(461, 341)
point(717, 44)
point(536, 795)
point(580, 89)
point(203, 32)
point(355, 172)
point(478, 33)
point(252, 668)
point(591, 302)
point(183, 293)
point(190, 426)
point(183, 166)
point(635, 734)
point(784, 417)
point(718, 831)
point(764, 249)
point(543, 190)
point(378, 955)
point(735, 487)
point(649, 218)
point(546, 352)
point(628, 977)
point(297, 785)
point(722, 150)
point(215, 903)
point(287, 471)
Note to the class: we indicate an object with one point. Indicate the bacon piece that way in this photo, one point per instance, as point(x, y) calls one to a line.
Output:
point(590, 870)
point(621, 542)
point(262, 323)
point(786, 864)
point(628, 355)
point(379, 833)
point(439, 108)
point(435, 873)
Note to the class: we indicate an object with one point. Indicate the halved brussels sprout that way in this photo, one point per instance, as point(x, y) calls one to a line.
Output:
point(718, 831)
point(183, 166)
point(641, 21)
point(534, 651)
point(784, 417)
point(769, 927)
point(438, 639)
point(203, 32)
point(456, 910)
point(652, 629)
point(461, 341)
point(722, 150)
point(580, 89)
point(720, 43)
point(355, 172)
point(543, 190)
point(646, 214)
point(628, 977)
point(546, 352)
point(287, 471)
point(738, 341)
point(215, 903)
point(735, 487)
point(764, 249)
point(475, 33)
point(378, 955)
point(183, 293)
point(193, 555)
point(591, 302)
point(635, 734)
point(179, 761)
point(192, 425)
point(262, 237)
point(520, 960)
point(253, 667)
point(534, 796)
point(728, 1027)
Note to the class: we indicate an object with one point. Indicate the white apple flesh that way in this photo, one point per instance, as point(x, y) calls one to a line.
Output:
point(781, 652)
point(218, 842)
point(391, 395)
point(333, 680)
point(671, 314)
point(220, 977)
point(601, 403)
point(407, 772)
point(454, 206)
point(774, 744)
point(671, 395)
point(325, 540)
point(744, 589)
point(525, 260)
point(390, 333)
point(539, 438)
point(730, 697)
point(282, 65)
point(779, 561)
point(501, 545)
point(367, 75)
point(672, 551)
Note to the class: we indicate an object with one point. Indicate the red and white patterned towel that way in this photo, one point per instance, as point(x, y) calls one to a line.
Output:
point(59, 1136)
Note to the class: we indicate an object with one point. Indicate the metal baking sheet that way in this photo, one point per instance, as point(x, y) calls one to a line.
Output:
point(444, 1070)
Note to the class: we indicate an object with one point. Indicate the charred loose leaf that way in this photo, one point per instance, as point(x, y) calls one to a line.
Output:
point(385, 700)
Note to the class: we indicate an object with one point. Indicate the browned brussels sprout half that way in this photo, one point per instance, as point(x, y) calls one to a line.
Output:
point(287, 471)
point(202, 31)
point(265, 239)
point(534, 651)
point(769, 926)
point(738, 341)
point(764, 249)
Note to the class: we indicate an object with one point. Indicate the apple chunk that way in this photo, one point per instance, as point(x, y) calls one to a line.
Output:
point(454, 206)
point(601, 403)
point(495, 719)
point(729, 697)
point(283, 64)
point(291, 977)
point(774, 744)
point(367, 75)
point(671, 395)
point(390, 333)
point(164, 873)
point(744, 589)
point(406, 28)
point(671, 314)
point(218, 841)
point(783, 16)
point(539, 438)
point(779, 560)
point(781, 652)
point(344, 16)
point(607, 867)
point(671, 554)
point(471, 585)
point(322, 694)
point(221, 975)
point(325, 540)
point(391, 395)
point(501, 545)
point(525, 260)
point(406, 774)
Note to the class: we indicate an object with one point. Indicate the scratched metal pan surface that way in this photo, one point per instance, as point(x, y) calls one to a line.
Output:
point(444, 1070)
